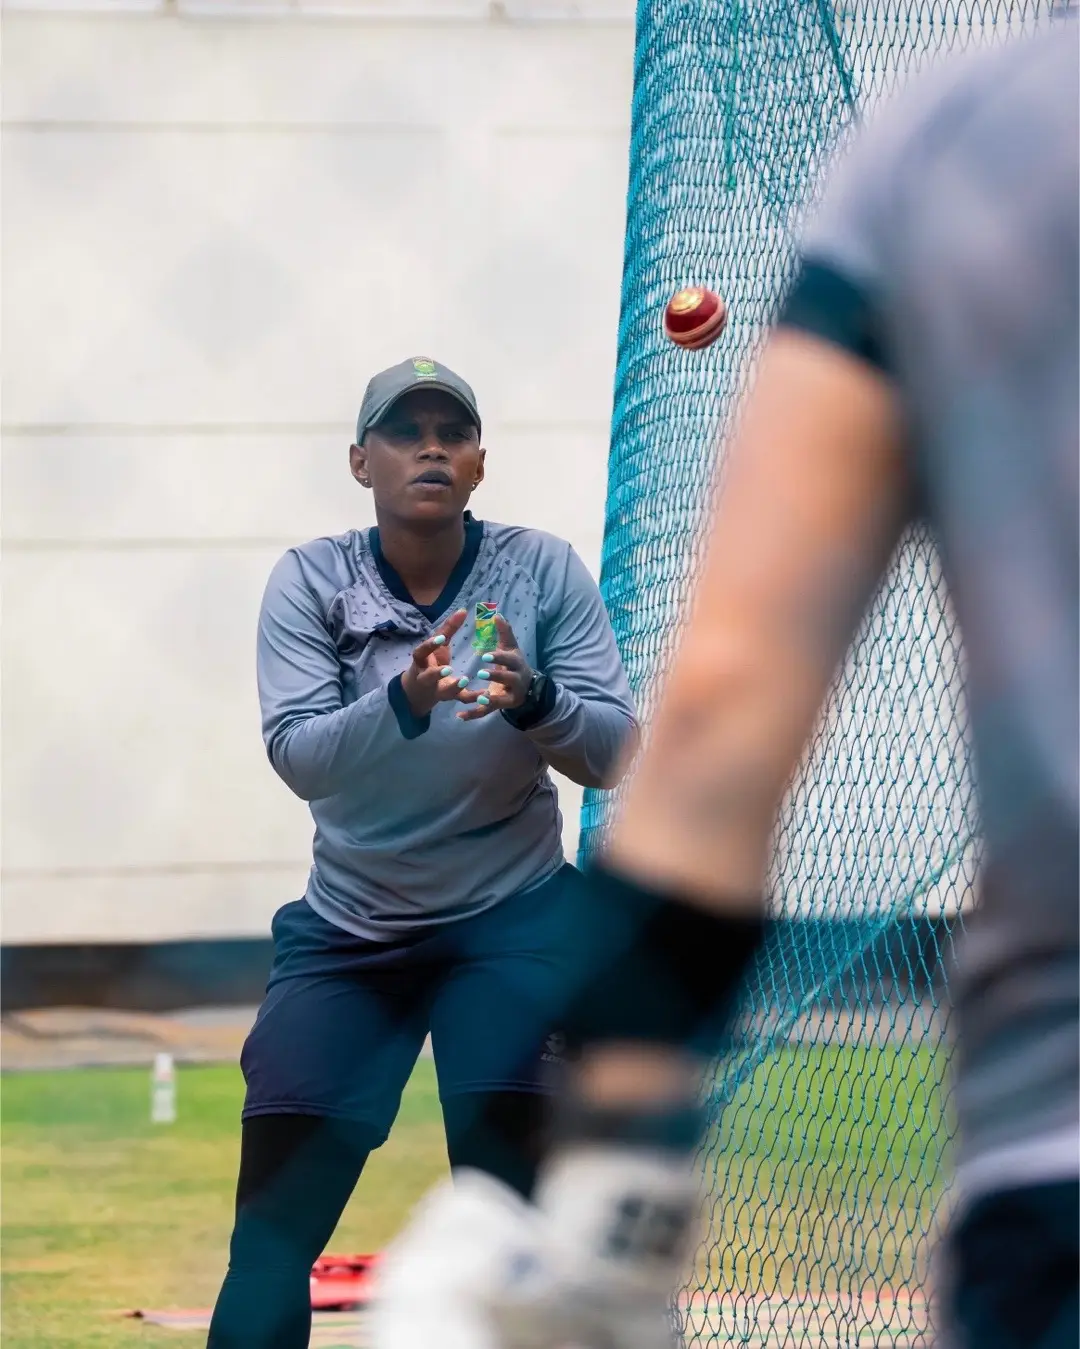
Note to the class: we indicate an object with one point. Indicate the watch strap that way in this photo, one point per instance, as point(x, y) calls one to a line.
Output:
point(539, 701)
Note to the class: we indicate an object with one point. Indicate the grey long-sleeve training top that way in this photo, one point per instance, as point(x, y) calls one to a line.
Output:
point(421, 821)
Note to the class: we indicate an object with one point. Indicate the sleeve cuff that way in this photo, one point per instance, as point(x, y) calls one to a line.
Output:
point(525, 721)
point(409, 725)
point(829, 305)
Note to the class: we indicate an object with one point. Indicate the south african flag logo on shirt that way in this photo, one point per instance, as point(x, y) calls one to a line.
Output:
point(486, 638)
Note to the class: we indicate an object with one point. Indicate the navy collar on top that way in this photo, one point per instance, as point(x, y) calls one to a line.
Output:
point(474, 534)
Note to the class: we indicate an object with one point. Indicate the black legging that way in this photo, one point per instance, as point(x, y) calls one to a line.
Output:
point(297, 1173)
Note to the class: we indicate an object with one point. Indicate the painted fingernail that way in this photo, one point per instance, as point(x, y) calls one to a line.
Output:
point(440, 640)
point(483, 702)
point(489, 658)
point(463, 683)
point(483, 674)
point(446, 670)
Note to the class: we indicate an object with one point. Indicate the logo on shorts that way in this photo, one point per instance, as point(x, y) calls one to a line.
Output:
point(424, 368)
point(554, 1048)
point(486, 637)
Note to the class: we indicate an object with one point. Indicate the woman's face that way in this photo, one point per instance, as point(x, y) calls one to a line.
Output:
point(423, 460)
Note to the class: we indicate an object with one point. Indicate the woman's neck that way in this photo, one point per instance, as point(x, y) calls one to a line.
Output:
point(423, 555)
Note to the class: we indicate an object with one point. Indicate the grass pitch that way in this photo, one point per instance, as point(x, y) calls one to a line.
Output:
point(102, 1211)
point(828, 1175)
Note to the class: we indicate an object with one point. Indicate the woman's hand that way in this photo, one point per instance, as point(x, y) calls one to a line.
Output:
point(507, 674)
point(429, 678)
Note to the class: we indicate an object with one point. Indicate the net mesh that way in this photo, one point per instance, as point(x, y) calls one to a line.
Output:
point(825, 1168)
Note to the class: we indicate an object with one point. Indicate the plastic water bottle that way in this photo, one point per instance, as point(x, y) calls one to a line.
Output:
point(163, 1090)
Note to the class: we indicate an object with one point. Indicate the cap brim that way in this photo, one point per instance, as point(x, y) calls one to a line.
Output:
point(441, 385)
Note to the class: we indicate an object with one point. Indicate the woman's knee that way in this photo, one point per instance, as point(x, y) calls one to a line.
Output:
point(499, 1132)
point(297, 1173)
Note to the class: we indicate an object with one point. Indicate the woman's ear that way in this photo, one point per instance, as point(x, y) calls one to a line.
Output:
point(358, 462)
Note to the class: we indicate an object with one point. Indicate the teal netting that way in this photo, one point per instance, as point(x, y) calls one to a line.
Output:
point(826, 1173)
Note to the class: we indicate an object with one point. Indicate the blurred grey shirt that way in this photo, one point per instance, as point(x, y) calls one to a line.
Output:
point(946, 252)
point(422, 821)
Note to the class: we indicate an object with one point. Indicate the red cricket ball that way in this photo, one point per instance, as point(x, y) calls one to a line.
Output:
point(695, 317)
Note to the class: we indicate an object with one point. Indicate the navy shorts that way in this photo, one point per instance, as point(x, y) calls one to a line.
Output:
point(344, 1019)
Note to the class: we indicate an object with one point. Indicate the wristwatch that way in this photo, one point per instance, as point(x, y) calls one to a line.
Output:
point(539, 700)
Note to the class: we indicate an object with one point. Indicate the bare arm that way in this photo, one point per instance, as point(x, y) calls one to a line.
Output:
point(815, 496)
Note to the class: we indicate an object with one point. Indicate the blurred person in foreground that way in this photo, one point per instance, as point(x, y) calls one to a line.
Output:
point(417, 682)
point(925, 365)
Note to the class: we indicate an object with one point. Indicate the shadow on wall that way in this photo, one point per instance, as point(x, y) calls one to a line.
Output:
point(906, 959)
point(162, 977)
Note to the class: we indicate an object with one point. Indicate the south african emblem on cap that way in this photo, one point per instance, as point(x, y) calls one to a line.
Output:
point(424, 367)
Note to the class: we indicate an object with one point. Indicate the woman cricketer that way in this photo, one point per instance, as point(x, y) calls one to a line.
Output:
point(417, 682)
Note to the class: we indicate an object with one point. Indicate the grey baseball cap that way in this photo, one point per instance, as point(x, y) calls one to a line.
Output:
point(385, 388)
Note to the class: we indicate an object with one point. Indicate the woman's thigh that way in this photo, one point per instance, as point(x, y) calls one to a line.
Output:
point(495, 1014)
point(340, 1028)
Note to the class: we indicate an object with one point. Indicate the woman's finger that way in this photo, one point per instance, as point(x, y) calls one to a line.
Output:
point(451, 685)
point(490, 697)
point(504, 655)
point(482, 707)
point(506, 633)
point(423, 653)
point(453, 623)
point(439, 641)
point(499, 674)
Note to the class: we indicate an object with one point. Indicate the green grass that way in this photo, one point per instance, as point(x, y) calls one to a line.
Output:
point(102, 1211)
point(826, 1172)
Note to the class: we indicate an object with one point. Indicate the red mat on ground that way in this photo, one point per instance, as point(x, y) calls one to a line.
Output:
point(342, 1282)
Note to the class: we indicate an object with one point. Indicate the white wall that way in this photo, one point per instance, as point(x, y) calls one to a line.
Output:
point(214, 230)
